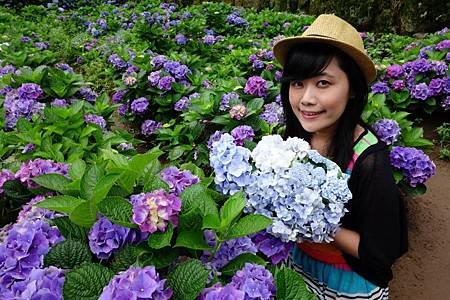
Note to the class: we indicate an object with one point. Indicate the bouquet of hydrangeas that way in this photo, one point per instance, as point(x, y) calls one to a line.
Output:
point(302, 192)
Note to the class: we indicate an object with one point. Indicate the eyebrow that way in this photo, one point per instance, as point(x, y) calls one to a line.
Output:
point(326, 74)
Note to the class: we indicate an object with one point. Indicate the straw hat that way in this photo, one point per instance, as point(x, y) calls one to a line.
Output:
point(332, 30)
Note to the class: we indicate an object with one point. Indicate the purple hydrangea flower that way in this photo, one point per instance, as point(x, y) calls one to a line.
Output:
point(5, 175)
point(258, 65)
point(207, 84)
point(16, 107)
point(105, 238)
point(421, 65)
point(149, 127)
point(225, 101)
point(137, 283)
point(278, 75)
point(30, 91)
point(436, 86)
point(447, 56)
point(398, 85)
point(154, 78)
point(420, 91)
point(214, 138)
point(44, 283)
point(235, 19)
point(445, 44)
point(165, 83)
point(64, 67)
point(42, 45)
point(439, 67)
point(182, 104)
point(95, 119)
point(6, 70)
point(423, 53)
point(38, 167)
point(24, 249)
point(273, 113)
point(171, 65)
point(415, 165)
point(125, 146)
point(229, 250)
point(59, 103)
point(158, 61)
point(180, 39)
point(122, 110)
point(255, 281)
point(118, 96)
point(387, 130)
point(31, 213)
point(209, 39)
point(88, 94)
point(140, 105)
point(129, 80)
point(238, 111)
point(442, 31)
point(25, 39)
point(178, 180)
point(445, 103)
point(380, 88)
point(252, 58)
point(181, 72)
point(152, 211)
point(242, 133)
point(28, 148)
point(5, 90)
point(256, 86)
point(394, 71)
point(272, 247)
point(218, 292)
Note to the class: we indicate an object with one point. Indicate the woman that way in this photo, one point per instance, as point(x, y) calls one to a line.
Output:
point(324, 90)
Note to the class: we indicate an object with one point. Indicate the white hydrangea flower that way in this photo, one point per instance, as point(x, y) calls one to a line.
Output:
point(271, 154)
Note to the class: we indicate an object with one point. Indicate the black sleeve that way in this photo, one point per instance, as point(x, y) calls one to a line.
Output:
point(377, 214)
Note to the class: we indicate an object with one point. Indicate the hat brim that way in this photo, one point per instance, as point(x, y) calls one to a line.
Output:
point(282, 47)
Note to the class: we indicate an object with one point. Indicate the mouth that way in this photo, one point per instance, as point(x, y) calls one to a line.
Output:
point(311, 114)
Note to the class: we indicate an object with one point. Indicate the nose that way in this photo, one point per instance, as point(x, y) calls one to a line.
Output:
point(309, 96)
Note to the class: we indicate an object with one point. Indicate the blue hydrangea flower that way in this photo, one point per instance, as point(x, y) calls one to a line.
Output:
point(255, 281)
point(387, 130)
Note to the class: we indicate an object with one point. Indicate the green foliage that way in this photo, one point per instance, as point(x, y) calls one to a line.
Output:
point(86, 281)
point(239, 262)
point(290, 285)
point(70, 230)
point(68, 254)
point(187, 280)
point(443, 132)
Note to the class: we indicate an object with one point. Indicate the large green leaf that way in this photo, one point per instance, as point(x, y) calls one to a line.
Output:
point(63, 203)
point(68, 254)
point(84, 214)
point(86, 282)
point(160, 239)
point(77, 169)
point(187, 280)
point(290, 285)
point(231, 209)
point(118, 210)
point(103, 186)
point(248, 225)
point(89, 182)
point(192, 240)
point(54, 182)
point(69, 229)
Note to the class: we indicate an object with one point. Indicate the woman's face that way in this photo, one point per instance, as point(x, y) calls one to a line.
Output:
point(319, 102)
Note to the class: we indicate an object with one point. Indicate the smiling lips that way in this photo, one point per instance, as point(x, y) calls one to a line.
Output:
point(310, 114)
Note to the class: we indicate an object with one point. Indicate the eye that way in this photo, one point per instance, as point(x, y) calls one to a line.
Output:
point(296, 83)
point(323, 83)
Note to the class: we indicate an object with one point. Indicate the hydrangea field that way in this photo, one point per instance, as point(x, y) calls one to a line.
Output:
point(127, 134)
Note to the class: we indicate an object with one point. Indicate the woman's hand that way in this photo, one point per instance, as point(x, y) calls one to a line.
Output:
point(347, 241)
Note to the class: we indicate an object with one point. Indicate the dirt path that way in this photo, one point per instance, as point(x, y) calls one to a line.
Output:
point(424, 272)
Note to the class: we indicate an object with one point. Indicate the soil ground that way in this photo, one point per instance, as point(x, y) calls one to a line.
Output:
point(424, 272)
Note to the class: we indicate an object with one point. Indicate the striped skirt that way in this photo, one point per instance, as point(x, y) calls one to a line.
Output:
point(329, 282)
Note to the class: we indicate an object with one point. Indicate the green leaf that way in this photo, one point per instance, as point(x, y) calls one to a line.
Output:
point(187, 280)
point(290, 285)
point(248, 225)
point(239, 262)
point(191, 220)
point(84, 214)
point(191, 197)
point(161, 258)
point(54, 182)
point(419, 190)
point(155, 183)
point(124, 258)
point(194, 169)
point(103, 186)
point(77, 169)
point(65, 204)
point(211, 221)
point(192, 240)
point(118, 210)
point(159, 239)
point(139, 162)
point(14, 189)
point(68, 254)
point(86, 282)
point(255, 104)
point(69, 229)
point(231, 209)
point(89, 182)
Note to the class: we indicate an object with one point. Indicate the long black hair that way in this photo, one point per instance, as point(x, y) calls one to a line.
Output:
point(309, 60)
